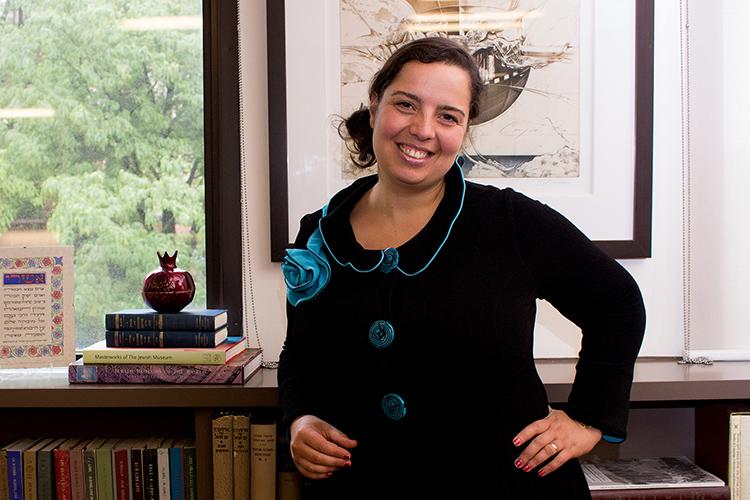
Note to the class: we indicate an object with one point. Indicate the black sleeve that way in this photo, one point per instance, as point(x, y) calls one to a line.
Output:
point(292, 390)
point(597, 294)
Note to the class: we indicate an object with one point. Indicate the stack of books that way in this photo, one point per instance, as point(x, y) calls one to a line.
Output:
point(72, 468)
point(142, 346)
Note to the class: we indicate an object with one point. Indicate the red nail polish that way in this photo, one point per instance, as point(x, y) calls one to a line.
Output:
point(518, 464)
point(542, 473)
point(517, 442)
point(527, 468)
point(348, 464)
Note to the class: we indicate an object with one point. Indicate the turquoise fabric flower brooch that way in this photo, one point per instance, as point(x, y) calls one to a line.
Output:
point(306, 270)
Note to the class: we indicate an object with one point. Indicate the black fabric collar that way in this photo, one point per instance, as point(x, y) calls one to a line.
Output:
point(415, 255)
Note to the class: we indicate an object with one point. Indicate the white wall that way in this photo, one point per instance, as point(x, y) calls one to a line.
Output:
point(660, 277)
point(720, 157)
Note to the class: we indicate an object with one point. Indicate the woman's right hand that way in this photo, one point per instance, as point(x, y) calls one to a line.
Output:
point(318, 448)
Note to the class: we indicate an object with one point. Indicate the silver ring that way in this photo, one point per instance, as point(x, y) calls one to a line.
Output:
point(553, 445)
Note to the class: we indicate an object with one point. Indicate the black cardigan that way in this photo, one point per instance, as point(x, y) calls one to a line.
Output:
point(373, 347)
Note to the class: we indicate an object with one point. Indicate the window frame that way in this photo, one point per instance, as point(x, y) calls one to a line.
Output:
point(222, 160)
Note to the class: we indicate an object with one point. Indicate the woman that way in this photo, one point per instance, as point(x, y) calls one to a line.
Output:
point(408, 366)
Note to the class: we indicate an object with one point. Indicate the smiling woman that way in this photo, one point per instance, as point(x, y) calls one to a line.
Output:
point(417, 259)
point(102, 134)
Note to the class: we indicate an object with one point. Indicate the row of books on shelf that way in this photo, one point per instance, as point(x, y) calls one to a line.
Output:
point(98, 468)
point(251, 461)
point(142, 346)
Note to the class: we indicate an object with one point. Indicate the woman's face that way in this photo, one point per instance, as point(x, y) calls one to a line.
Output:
point(420, 122)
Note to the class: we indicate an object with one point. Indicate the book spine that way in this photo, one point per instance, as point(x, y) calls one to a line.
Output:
point(62, 474)
point(121, 466)
point(150, 474)
point(155, 374)
point(104, 484)
point(698, 493)
point(29, 474)
point(176, 474)
point(222, 457)
point(263, 461)
point(156, 322)
point(188, 464)
point(125, 355)
point(241, 456)
point(166, 338)
point(89, 475)
point(162, 464)
point(136, 473)
point(3, 475)
point(45, 475)
point(77, 477)
point(290, 485)
point(15, 475)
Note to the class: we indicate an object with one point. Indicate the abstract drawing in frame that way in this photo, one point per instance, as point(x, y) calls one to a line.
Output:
point(528, 55)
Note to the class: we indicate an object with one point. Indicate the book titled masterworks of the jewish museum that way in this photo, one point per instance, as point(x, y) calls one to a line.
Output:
point(37, 320)
point(645, 473)
point(99, 353)
point(236, 371)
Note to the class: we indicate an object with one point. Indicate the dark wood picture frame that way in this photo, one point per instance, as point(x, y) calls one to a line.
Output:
point(638, 247)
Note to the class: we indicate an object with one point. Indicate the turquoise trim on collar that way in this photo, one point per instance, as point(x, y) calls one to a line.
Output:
point(456, 164)
point(612, 439)
point(447, 233)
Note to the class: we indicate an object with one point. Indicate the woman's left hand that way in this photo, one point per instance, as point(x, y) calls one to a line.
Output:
point(557, 435)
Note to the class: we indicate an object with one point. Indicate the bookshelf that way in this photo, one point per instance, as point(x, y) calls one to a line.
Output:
point(48, 406)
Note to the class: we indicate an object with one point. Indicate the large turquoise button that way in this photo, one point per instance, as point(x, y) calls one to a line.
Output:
point(394, 406)
point(390, 260)
point(381, 334)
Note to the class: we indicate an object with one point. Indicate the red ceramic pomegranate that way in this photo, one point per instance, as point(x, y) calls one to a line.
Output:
point(168, 289)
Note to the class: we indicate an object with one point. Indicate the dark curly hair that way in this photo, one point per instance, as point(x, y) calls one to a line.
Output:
point(356, 129)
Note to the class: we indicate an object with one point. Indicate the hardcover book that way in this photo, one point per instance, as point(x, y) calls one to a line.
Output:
point(121, 468)
point(703, 493)
point(136, 469)
point(739, 455)
point(189, 457)
point(14, 457)
point(241, 456)
point(3, 474)
point(148, 319)
point(99, 353)
point(176, 469)
point(105, 473)
point(89, 468)
point(151, 469)
point(45, 470)
point(647, 473)
point(29, 468)
point(77, 473)
point(263, 461)
point(162, 465)
point(221, 428)
point(164, 338)
point(236, 371)
point(62, 469)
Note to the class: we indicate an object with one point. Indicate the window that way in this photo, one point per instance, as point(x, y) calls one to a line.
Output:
point(104, 106)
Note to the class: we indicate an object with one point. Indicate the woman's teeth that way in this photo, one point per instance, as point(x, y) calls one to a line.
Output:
point(414, 153)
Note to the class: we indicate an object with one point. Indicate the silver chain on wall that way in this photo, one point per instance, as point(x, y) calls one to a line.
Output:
point(686, 188)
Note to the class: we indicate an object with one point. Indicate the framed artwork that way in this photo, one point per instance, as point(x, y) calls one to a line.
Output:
point(567, 115)
point(37, 319)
